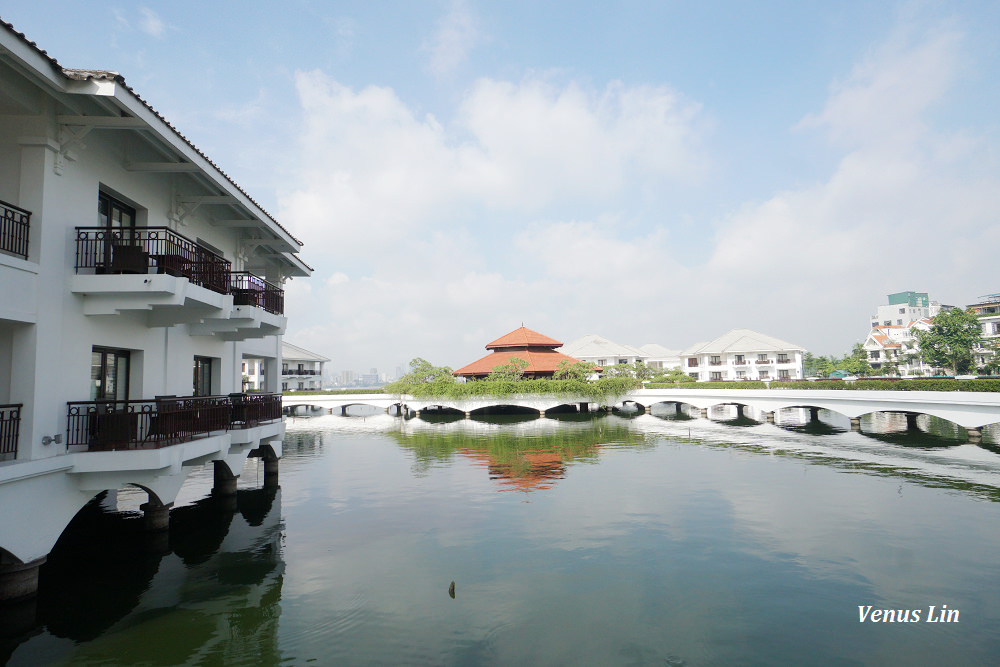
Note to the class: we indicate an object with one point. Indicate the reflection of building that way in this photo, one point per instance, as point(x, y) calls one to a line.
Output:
point(531, 471)
point(538, 350)
point(742, 354)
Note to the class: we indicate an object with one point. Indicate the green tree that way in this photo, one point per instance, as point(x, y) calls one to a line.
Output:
point(421, 373)
point(818, 366)
point(952, 337)
point(581, 370)
point(513, 370)
point(856, 363)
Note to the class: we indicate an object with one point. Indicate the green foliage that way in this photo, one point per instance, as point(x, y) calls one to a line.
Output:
point(512, 371)
point(581, 370)
point(422, 375)
point(950, 341)
point(741, 384)
point(857, 362)
point(672, 375)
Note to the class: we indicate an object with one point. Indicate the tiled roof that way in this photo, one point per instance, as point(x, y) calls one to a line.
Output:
point(593, 345)
point(105, 75)
point(539, 361)
point(657, 350)
point(523, 337)
point(296, 353)
point(742, 340)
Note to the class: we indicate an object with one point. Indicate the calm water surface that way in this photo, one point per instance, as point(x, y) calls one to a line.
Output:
point(651, 540)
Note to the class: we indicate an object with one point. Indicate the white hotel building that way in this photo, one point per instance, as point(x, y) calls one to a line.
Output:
point(742, 354)
point(135, 277)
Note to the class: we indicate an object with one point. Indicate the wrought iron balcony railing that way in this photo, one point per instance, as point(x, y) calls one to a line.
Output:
point(296, 371)
point(150, 250)
point(15, 223)
point(10, 424)
point(250, 290)
point(106, 425)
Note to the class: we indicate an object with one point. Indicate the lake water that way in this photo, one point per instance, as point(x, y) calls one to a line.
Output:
point(582, 540)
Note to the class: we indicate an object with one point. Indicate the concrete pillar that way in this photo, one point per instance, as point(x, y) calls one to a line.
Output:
point(855, 423)
point(814, 414)
point(19, 580)
point(704, 413)
point(739, 411)
point(467, 414)
point(585, 407)
point(677, 409)
point(649, 409)
point(343, 410)
point(155, 515)
point(975, 435)
point(270, 473)
point(225, 480)
point(911, 421)
point(769, 417)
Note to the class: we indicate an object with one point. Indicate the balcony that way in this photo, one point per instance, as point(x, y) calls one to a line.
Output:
point(741, 362)
point(764, 362)
point(10, 424)
point(110, 425)
point(250, 290)
point(172, 280)
point(299, 371)
point(715, 363)
point(15, 223)
point(785, 360)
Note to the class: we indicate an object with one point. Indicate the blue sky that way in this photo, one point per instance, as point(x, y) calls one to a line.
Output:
point(655, 172)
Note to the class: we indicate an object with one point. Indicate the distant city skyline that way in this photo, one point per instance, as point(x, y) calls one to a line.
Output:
point(651, 172)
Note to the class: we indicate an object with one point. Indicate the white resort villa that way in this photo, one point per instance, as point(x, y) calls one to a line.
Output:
point(601, 351)
point(742, 354)
point(136, 278)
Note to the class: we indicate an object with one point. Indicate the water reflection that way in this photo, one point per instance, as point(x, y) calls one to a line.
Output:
point(204, 592)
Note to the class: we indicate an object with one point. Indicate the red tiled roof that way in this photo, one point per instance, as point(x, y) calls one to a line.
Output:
point(539, 361)
point(523, 337)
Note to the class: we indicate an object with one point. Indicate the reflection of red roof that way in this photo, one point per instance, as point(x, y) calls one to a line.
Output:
point(540, 361)
point(523, 337)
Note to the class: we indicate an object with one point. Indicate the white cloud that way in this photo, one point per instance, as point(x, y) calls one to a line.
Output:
point(151, 23)
point(456, 35)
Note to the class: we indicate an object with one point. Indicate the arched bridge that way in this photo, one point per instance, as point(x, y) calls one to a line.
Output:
point(972, 410)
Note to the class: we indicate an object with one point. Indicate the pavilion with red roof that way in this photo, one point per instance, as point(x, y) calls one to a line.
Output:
point(531, 346)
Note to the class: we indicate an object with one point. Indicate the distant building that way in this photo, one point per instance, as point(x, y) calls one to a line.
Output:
point(904, 307)
point(600, 351)
point(300, 368)
point(895, 347)
point(659, 357)
point(538, 350)
point(743, 354)
point(988, 311)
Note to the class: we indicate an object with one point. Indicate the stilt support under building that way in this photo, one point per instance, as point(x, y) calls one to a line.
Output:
point(975, 435)
point(225, 480)
point(155, 515)
point(270, 473)
point(855, 423)
point(769, 417)
point(19, 580)
point(911, 421)
point(814, 414)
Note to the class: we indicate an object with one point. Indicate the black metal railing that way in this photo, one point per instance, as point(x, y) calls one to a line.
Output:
point(252, 409)
point(107, 425)
point(150, 250)
point(250, 290)
point(298, 371)
point(10, 425)
point(15, 223)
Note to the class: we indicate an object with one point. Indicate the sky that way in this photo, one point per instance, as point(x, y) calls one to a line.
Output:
point(652, 172)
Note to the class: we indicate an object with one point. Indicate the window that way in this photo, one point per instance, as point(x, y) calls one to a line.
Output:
point(716, 361)
point(740, 359)
point(602, 362)
point(623, 361)
point(899, 323)
point(693, 375)
point(996, 328)
point(301, 386)
point(887, 323)
point(741, 375)
point(716, 376)
point(244, 368)
point(762, 358)
point(874, 354)
point(763, 375)
point(692, 363)
point(109, 370)
point(902, 311)
point(202, 376)
point(784, 374)
point(284, 386)
point(114, 214)
point(783, 359)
